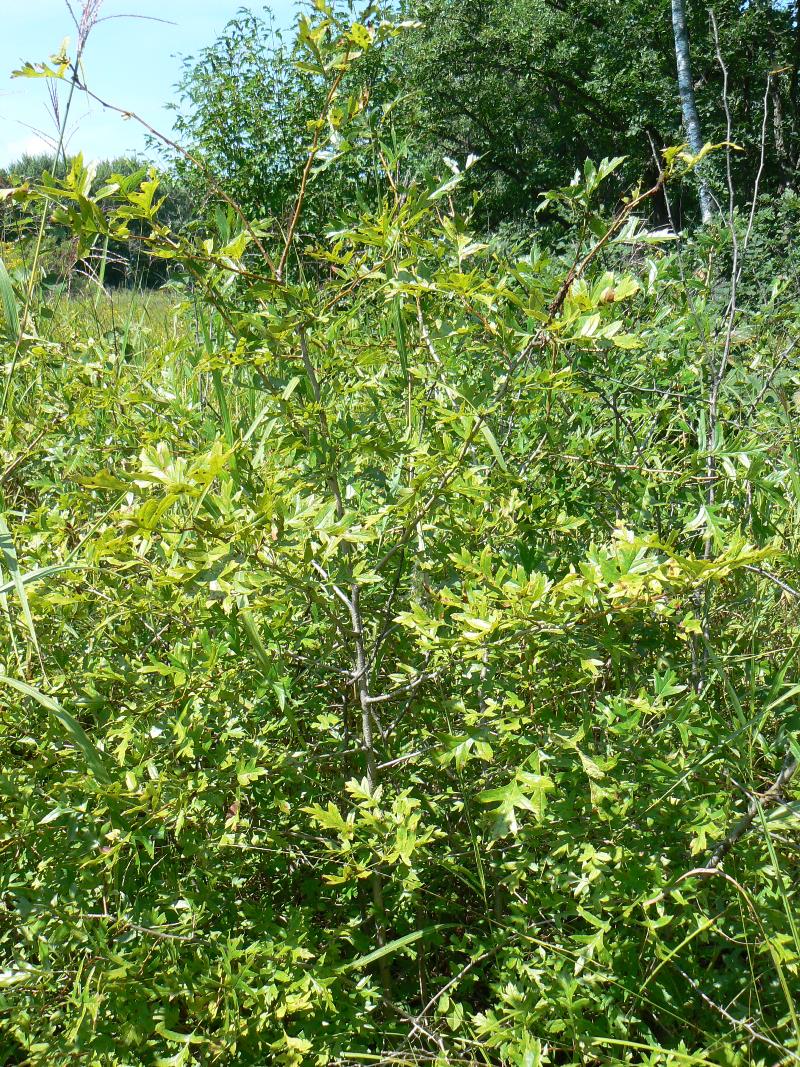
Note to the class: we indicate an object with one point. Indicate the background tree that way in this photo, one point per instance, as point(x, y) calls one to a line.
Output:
point(244, 108)
point(529, 86)
point(691, 119)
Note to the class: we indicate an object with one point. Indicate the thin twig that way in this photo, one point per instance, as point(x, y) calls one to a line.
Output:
point(774, 578)
point(446, 989)
point(773, 794)
point(312, 155)
point(742, 1023)
point(326, 578)
point(118, 920)
point(409, 688)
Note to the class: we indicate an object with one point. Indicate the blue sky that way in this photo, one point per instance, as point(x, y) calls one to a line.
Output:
point(130, 62)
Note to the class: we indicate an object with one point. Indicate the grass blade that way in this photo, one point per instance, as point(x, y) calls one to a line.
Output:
point(9, 554)
point(392, 946)
point(39, 572)
point(70, 724)
point(9, 301)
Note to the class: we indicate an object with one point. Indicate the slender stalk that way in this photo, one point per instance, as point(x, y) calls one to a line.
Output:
point(39, 239)
point(312, 155)
point(361, 672)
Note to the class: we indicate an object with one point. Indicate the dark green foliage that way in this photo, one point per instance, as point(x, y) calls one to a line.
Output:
point(534, 87)
point(531, 87)
point(246, 104)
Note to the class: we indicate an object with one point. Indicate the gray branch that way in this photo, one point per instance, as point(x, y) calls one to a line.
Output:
point(772, 795)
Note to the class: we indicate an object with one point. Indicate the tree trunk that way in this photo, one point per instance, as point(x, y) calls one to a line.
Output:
point(795, 71)
point(691, 119)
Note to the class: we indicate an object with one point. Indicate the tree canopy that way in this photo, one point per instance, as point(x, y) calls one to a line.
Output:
point(530, 87)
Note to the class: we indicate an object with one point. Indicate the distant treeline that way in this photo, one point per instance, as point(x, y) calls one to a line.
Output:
point(114, 263)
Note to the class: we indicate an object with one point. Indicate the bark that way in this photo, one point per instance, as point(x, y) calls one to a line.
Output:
point(795, 77)
point(691, 119)
point(757, 804)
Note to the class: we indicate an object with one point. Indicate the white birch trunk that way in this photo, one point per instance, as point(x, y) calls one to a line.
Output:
point(691, 119)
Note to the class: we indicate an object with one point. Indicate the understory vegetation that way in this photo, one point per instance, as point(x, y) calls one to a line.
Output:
point(400, 576)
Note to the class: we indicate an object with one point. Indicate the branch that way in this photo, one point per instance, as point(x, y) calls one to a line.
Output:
point(538, 341)
point(774, 578)
point(409, 688)
point(445, 989)
point(743, 1023)
point(312, 155)
point(215, 185)
point(772, 795)
point(339, 592)
point(616, 225)
point(151, 931)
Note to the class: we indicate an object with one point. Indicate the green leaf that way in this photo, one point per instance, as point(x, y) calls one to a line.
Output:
point(491, 440)
point(445, 188)
point(393, 946)
point(590, 767)
point(525, 792)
